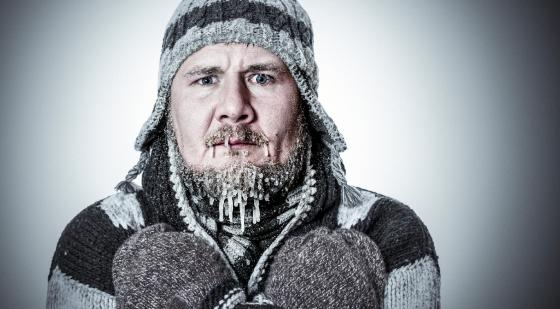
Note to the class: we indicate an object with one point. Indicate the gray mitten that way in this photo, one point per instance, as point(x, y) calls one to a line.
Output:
point(160, 268)
point(327, 269)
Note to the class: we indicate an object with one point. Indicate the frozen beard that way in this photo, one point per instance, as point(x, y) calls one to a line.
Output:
point(227, 192)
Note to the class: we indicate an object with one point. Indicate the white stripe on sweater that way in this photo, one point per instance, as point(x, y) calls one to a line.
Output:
point(416, 285)
point(356, 204)
point(124, 210)
point(66, 293)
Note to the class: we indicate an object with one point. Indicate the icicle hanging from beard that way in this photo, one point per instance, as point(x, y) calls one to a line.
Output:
point(218, 192)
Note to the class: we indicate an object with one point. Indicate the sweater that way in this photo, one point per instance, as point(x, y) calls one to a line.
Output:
point(80, 274)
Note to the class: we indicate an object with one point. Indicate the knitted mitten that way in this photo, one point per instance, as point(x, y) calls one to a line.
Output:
point(160, 268)
point(327, 269)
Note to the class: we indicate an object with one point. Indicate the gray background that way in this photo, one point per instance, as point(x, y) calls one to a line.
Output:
point(448, 106)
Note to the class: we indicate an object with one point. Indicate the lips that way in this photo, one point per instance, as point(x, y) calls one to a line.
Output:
point(235, 143)
point(238, 137)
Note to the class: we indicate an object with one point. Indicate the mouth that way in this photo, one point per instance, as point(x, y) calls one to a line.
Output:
point(237, 141)
point(234, 143)
point(235, 146)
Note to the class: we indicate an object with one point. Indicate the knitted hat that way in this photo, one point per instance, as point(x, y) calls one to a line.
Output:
point(280, 26)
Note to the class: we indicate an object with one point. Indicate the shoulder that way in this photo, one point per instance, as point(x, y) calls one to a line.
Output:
point(405, 244)
point(87, 245)
point(400, 234)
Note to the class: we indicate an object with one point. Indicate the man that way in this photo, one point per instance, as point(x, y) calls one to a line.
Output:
point(243, 202)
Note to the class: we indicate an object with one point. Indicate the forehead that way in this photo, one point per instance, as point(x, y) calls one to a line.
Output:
point(232, 55)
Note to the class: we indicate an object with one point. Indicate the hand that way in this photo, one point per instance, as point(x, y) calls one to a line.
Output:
point(327, 269)
point(160, 268)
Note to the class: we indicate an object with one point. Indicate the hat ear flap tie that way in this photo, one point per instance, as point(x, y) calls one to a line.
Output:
point(127, 185)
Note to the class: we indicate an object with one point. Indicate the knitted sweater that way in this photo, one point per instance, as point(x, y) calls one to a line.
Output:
point(80, 274)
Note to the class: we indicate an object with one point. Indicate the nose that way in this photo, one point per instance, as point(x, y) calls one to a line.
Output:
point(235, 107)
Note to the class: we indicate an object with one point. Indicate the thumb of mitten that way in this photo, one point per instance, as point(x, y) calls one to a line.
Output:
point(158, 264)
point(327, 269)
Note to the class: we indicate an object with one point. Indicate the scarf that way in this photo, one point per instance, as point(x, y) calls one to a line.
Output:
point(242, 241)
point(242, 250)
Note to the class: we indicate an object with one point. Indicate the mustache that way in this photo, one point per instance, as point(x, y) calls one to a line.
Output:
point(240, 133)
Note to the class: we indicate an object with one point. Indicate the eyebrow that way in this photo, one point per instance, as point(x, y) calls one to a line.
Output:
point(209, 70)
point(269, 66)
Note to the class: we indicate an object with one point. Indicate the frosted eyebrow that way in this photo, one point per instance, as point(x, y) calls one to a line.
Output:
point(210, 70)
point(273, 67)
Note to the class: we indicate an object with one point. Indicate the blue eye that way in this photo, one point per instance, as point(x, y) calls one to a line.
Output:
point(207, 80)
point(262, 79)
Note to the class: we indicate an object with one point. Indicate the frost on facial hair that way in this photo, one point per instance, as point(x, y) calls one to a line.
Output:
point(242, 184)
point(239, 132)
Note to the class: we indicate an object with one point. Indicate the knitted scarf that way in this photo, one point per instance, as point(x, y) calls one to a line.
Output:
point(243, 251)
point(244, 244)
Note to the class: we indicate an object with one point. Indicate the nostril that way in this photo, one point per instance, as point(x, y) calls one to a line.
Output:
point(236, 119)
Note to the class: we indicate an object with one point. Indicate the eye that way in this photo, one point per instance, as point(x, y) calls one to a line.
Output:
point(207, 80)
point(262, 79)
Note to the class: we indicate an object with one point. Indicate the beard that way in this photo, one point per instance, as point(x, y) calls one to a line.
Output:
point(228, 191)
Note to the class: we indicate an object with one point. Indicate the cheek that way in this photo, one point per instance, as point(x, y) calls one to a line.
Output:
point(190, 125)
point(279, 121)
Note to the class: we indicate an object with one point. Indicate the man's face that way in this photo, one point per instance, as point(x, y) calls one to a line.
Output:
point(234, 103)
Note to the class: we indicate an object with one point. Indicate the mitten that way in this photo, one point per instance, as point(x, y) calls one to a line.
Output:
point(327, 269)
point(161, 268)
